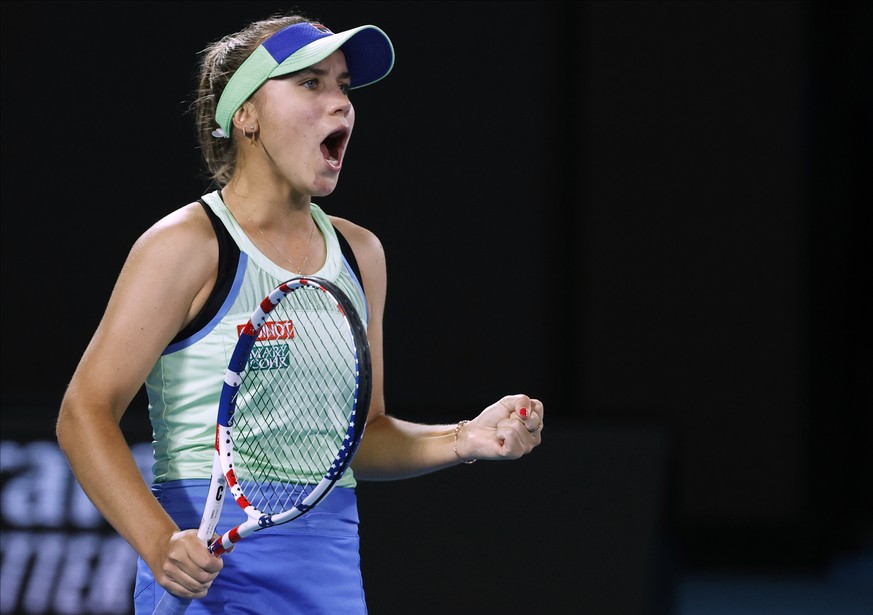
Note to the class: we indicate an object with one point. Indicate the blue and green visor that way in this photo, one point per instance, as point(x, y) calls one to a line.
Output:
point(368, 50)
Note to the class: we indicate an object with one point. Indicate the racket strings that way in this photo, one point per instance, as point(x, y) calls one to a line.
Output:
point(295, 402)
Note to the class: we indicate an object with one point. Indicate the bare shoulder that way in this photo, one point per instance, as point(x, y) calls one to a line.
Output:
point(175, 260)
point(363, 241)
point(185, 235)
point(188, 222)
point(170, 271)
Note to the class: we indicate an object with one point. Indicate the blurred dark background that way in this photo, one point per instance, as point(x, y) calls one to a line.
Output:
point(652, 215)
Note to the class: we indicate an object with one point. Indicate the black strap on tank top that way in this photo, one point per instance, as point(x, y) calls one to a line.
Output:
point(346, 249)
point(228, 261)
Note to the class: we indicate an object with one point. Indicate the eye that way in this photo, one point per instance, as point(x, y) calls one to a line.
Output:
point(310, 84)
point(345, 88)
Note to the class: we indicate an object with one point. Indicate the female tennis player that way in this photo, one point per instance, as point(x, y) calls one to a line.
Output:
point(274, 121)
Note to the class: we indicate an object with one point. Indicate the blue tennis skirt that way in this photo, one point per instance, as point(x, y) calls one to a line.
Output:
point(310, 565)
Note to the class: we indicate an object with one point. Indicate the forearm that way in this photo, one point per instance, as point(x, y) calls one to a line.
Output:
point(394, 449)
point(105, 468)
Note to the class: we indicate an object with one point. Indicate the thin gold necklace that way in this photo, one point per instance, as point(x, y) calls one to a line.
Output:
point(294, 267)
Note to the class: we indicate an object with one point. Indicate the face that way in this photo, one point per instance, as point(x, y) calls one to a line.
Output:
point(305, 120)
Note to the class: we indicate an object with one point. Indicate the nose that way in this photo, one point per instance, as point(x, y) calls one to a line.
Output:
point(341, 103)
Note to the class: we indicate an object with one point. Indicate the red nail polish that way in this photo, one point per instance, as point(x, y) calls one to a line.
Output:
point(523, 413)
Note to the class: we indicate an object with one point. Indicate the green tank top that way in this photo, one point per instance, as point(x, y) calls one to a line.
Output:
point(185, 384)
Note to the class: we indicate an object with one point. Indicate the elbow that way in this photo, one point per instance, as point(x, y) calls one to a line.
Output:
point(84, 415)
point(71, 422)
point(65, 425)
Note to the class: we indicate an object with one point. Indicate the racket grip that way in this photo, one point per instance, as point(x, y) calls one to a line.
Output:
point(171, 605)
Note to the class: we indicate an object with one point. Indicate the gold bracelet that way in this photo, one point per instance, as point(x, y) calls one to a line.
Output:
point(455, 442)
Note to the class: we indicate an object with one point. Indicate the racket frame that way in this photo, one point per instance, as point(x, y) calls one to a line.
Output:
point(223, 475)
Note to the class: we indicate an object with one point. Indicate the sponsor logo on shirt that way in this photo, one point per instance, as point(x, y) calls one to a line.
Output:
point(272, 331)
point(271, 356)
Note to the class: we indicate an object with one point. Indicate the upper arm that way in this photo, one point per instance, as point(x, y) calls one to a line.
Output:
point(167, 276)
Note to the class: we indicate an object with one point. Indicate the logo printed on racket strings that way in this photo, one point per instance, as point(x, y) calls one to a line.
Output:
point(272, 331)
point(269, 356)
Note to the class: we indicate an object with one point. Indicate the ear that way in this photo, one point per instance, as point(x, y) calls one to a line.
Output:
point(246, 117)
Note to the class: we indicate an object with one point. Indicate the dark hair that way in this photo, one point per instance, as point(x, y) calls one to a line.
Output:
point(220, 61)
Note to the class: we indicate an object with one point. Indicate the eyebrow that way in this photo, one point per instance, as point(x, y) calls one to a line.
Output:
point(318, 72)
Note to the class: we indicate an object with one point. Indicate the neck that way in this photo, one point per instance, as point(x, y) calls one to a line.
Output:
point(283, 233)
point(264, 189)
point(267, 210)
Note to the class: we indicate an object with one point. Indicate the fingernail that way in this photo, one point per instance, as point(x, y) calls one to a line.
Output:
point(523, 413)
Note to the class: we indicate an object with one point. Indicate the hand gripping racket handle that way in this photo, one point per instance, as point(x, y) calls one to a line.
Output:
point(170, 604)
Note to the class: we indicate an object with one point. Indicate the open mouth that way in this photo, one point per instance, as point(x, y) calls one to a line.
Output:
point(333, 146)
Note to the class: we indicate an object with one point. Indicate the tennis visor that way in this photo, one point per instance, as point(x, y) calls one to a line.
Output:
point(368, 50)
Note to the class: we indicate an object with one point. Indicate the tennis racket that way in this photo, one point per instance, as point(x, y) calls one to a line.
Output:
point(292, 411)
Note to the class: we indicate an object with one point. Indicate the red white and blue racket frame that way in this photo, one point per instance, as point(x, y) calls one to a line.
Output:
point(223, 474)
